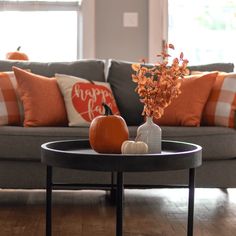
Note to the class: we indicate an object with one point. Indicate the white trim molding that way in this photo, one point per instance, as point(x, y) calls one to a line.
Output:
point(88, 49)
point(39, 5)
point(158, 27)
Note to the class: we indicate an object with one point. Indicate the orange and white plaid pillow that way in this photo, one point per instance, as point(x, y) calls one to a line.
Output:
point(221, 104)
point(11, 109)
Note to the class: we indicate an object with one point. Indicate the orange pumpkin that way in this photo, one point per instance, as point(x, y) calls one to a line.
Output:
point(17, 55)
point(107, 132)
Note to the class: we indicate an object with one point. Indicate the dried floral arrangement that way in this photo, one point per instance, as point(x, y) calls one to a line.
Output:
point(159, 84)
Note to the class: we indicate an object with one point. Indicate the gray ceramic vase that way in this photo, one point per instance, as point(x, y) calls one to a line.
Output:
point(150, 133)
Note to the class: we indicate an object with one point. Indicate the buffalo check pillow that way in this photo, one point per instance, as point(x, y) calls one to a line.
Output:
point(11, 108)
point(221, 104)
point(84, 98)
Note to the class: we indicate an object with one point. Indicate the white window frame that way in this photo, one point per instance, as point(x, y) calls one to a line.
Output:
point(158, 27)
point(88, 36)
point(39, 5)
point(49, 6)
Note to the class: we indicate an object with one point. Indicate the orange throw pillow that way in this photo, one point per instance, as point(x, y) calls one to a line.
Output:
point(42, 100)
point(186, 110)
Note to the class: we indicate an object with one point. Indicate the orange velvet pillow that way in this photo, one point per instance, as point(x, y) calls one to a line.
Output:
point(42, 100)
point(186, 110)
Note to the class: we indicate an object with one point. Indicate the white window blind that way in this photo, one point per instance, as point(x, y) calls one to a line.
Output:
point(45, 30)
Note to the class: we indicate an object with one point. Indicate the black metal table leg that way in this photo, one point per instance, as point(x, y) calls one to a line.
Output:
point(113, 189)
point(119, 204)
point(49, 202)
point(191, 201)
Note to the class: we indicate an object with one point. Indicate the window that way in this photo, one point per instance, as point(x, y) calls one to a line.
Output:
point(45, 30)
point(205, 29)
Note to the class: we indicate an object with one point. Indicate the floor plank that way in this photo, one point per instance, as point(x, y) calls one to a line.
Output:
point(155, 212)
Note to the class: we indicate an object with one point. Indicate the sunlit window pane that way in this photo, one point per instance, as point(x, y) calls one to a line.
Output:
point(204, 29)
point(43, 35)
point(79, 1)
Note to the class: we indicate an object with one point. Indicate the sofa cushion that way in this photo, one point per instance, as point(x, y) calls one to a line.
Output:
point(221, 104)
point(218, 142)
point(225, 67)
point(83, 99)
point(120, 79)
point(42, 99)
point(23, 143)
point(11, 108)
point(186, 109)
point(88, 69)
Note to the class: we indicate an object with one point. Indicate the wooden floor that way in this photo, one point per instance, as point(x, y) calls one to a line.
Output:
point(161, 212)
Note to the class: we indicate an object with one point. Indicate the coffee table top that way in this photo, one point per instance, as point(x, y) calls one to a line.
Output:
point(77, 154)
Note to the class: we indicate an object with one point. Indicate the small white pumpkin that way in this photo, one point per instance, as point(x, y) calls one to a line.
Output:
point(132, 147)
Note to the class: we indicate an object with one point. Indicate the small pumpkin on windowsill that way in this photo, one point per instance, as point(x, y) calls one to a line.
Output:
point(107, 132)
point(17, 55)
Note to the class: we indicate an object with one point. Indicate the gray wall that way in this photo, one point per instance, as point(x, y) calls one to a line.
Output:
point(112, 39)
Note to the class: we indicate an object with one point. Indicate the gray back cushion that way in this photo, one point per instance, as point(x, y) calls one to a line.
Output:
point(87, 69)
point(226, 67)
point(120, 79)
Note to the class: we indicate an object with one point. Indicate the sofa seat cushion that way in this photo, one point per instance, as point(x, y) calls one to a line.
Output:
point(20, 143)
point(218, 143)
point(24, 142)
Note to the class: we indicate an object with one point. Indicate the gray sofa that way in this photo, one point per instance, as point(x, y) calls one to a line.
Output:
point(20, 165)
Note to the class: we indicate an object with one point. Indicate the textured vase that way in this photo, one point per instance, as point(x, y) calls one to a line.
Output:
point(150, 133)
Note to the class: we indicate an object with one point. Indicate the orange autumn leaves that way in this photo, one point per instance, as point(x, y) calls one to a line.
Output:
point(158, 85)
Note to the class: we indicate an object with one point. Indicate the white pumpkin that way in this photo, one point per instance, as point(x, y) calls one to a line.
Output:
point(132, 147)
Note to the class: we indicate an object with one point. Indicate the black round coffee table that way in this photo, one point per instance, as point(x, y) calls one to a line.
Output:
point(77, 154)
